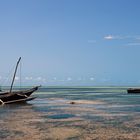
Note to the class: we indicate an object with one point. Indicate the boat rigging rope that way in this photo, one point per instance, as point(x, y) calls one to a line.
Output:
point(5, 81)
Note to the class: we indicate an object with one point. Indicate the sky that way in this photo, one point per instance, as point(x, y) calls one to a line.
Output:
point(70, 42)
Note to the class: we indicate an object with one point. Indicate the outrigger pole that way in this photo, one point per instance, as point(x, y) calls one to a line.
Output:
point(14, 74)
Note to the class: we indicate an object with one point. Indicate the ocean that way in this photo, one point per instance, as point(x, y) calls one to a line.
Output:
point(73, 113)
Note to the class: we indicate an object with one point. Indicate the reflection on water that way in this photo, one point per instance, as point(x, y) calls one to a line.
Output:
point(96, 113)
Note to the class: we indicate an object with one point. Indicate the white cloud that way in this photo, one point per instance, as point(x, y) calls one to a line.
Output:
point(133, 44)
point(39, 78)
point(109, 37)
point(92, 78)
point(28, 78)
point(105, 79)
point(69, 79)
point(16, 78)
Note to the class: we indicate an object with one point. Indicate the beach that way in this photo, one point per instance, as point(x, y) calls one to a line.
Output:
point(73, 61)
point(73, 113)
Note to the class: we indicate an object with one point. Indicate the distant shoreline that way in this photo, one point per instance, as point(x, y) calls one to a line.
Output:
point(73, 86)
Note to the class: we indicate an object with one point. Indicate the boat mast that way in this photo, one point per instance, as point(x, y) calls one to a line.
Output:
point(14, 74)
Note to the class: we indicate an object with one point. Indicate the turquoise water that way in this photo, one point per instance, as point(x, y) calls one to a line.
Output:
point(117, 107)
point(107, 106)
point(116, 100)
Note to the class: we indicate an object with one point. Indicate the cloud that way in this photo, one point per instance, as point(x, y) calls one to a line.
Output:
point(28, 78)
point(69, 79)
point(40, 79)
point(16, 78)
point(105, 79)
point(133, 39)
point(109, 37)
point(92, 78)
point(133, 44)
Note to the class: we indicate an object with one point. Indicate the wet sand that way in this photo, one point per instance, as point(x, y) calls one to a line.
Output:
point(24, 122)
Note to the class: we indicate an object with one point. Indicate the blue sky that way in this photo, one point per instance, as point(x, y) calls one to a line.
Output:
point(71, 42)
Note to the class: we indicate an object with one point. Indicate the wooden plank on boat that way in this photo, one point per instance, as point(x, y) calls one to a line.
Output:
point(20, 100)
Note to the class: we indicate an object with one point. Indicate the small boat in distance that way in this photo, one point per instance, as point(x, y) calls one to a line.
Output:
point(133, 90)
point(10, 96)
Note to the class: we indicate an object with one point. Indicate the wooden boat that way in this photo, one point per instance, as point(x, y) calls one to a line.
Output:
point(17, 96)
point(133, 90)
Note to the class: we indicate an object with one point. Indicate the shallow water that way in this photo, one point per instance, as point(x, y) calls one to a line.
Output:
point(97, 113)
